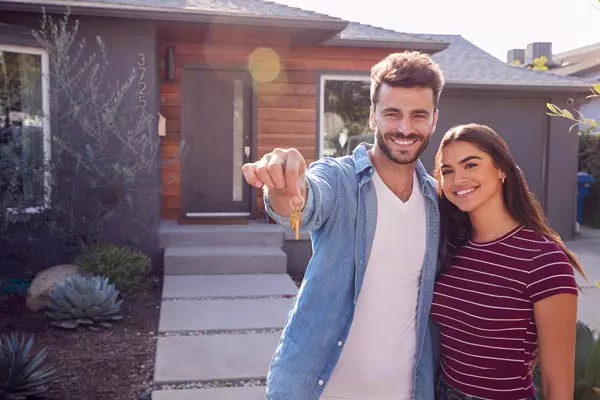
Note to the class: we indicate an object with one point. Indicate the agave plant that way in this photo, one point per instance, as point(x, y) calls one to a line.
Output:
point(23, 375)
point(84, 300)
point(587, 366)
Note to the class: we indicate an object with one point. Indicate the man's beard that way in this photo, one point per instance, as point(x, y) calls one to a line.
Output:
point(402, 160)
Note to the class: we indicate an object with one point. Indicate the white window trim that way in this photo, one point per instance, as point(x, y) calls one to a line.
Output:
point(332, 77)
point(45, 121)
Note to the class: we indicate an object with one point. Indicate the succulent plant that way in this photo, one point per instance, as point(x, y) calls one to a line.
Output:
point(587, 366)
point(84, 300)
point(22, 374)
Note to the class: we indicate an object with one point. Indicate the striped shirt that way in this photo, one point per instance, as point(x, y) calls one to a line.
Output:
point(483, 304)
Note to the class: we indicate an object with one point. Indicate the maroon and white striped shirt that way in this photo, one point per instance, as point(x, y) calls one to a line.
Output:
point(483, 304)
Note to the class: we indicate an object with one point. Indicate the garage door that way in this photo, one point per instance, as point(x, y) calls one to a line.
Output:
point(521, 123)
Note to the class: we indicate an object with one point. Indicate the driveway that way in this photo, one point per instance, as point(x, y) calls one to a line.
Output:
point(587, 248)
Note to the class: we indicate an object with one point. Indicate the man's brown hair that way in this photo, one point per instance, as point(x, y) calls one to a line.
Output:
point(407, 69)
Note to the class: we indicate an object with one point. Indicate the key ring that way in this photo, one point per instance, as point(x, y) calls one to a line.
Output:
point(301, 205)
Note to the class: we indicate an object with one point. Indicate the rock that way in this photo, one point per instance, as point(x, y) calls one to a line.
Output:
point(38, 293)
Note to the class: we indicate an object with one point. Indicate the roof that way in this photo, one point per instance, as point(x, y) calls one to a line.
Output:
point(237, 11)
point(578, 60)
point(359, 34)
point(578, 53)
point(465, 64)
point(181, 9)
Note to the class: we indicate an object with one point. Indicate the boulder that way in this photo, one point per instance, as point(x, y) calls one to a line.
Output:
point(38, 293)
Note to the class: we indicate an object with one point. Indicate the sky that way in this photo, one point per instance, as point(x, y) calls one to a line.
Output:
point(494, 26)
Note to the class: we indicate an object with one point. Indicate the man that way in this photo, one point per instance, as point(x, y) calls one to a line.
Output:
point(359, 328)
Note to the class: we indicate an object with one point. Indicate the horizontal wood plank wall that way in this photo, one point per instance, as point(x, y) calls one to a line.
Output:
point(285, 92)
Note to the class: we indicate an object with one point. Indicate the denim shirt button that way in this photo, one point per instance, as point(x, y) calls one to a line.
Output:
point(340, 343)
point(321, 382)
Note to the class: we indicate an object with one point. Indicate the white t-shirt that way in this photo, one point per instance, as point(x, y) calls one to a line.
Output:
point(377, 360)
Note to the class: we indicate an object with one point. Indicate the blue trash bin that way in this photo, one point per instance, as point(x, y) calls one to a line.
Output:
point(584, 182)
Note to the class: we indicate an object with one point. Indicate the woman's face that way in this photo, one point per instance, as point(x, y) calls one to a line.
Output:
point(469, 177)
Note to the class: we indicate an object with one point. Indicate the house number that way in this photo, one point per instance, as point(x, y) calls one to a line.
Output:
point(141, 64)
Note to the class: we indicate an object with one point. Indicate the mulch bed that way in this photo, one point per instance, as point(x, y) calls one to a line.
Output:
point(112, 364)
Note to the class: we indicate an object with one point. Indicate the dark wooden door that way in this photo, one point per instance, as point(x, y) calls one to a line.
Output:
point(216, 127)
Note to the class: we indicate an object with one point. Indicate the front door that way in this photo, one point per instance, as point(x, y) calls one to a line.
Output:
point(216, 127)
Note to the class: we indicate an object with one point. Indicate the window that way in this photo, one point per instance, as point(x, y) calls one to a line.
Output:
point(344, 114)
point(24, 128)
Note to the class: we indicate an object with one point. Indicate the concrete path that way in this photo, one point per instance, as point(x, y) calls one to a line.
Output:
point(218, 331)
point(587, 248)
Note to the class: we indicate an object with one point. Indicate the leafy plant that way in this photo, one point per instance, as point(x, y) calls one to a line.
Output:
point(578, 119)
point(23, 374)
point(589, 161)
point(123, 266)
point(587, 366)
point(105, 155)
point(84, 300)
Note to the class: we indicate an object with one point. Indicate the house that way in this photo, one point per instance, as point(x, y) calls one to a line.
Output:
point(234, 79)
point(582, 62)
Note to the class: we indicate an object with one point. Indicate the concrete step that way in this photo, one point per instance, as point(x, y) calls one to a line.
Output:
point(224, 260)
point(228, 285)
point(254, 234)
point(202, 358)
point(233, 393)
point(201, 315)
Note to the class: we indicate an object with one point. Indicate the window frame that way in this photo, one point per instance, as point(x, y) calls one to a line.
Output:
point(332, 76)
point(47, 140)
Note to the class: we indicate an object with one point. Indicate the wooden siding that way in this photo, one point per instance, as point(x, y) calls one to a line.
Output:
point(286, 107)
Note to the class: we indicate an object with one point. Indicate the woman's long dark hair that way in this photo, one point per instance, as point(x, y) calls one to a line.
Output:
point(521, 203)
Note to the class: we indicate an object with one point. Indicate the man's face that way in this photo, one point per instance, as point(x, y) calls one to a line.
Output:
point(403, 121)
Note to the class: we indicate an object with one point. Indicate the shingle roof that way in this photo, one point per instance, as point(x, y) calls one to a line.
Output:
point(362, 32)
point(241, 8)
point(464, 63)
point(578, 60)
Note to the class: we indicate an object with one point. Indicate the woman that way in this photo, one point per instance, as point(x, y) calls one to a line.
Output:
point(506, 297)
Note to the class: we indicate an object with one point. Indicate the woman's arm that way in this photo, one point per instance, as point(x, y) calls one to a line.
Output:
point(556, 319)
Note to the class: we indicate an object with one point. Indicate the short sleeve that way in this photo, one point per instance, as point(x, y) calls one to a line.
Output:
point(551, 274)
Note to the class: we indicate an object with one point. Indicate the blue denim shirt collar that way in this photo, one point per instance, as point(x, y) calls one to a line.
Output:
point(363, 164)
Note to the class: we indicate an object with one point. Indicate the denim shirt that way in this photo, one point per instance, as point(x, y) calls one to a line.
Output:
point(341, 214)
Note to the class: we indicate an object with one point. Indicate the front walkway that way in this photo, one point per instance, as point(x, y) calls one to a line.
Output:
point(217, 335)
point(587, 248)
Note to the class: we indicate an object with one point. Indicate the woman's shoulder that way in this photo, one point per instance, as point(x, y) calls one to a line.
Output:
point(532, 241)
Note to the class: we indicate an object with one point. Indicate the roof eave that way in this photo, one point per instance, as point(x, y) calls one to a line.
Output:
point(432, 47)
point(539, 88)
point(180, 16)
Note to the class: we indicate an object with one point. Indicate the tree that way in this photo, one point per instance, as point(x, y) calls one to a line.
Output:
point(105, 154)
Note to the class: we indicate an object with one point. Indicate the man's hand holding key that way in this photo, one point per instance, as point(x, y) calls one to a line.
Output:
point(282, 173)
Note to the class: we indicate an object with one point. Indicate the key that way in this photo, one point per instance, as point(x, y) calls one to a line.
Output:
point(296, 217)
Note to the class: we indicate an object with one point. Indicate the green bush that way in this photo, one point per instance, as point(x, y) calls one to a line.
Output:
point(123, 266)
point(589, 161)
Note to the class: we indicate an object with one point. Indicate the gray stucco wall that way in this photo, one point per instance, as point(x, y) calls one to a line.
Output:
point(130, 44)
point(541, 146)
point(561, 187)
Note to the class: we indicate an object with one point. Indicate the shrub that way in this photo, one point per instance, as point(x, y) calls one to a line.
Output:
point(123, 266)
point(589, 161)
